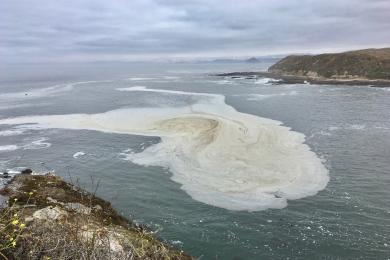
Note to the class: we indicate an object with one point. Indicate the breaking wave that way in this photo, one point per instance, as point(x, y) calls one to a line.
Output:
point(78, 154)
point(257, 97)
point(263, 81)
point(139, 79)
point(220, 156)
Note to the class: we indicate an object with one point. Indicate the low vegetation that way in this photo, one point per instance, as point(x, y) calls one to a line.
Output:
point(363, 64)
point(48, 218)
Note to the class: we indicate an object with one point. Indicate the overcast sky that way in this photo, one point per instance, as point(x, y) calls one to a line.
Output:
point(86, 30)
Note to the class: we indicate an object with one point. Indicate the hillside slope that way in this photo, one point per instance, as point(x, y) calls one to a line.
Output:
point(362, 64)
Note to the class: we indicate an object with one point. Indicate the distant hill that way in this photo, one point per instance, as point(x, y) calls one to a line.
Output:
point(249, 60)
point(252, 60)
point(360, 64)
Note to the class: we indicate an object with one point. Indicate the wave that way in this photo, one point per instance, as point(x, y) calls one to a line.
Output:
point(78, 154)
point(37, 144)
point(11, 132)
point(23, 98)
point(12, 147)
point(357, 127)
point(224, 82)
point(205, 96)
point(42, 92)
point(257, 97)
point(220, 156)
point(264, 81)
point(139, 79)
point(348, 127)
point(171, 77)
point(177, 92)
point(7, 106)
point(36, 93)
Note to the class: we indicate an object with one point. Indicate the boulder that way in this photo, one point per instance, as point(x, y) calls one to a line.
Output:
point(26, 171)
point(50, 213)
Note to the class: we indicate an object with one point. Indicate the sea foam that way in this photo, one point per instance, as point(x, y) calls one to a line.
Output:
point(78, 154)
point(258, 97)
point(220, 156)
point(263, 81)
point(11, 132)
point(42, 92)
point(10, 147)
point(37, 144)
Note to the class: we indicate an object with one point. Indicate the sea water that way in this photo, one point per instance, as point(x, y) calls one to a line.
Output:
point(222, 168)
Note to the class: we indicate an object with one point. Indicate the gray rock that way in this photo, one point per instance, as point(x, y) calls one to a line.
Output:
point(79, 208)
point(50, 213)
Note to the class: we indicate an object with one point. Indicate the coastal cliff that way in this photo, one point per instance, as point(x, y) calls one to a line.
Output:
point(370, 67)
point(48, 218)
point(369, 64)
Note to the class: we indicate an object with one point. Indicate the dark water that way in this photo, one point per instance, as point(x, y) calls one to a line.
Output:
point(348, 127)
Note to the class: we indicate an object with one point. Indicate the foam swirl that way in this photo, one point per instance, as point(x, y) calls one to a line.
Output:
point(220, 157)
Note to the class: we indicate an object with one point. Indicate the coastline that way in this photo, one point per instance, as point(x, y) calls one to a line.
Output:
point(48, 218)
point(279, 79)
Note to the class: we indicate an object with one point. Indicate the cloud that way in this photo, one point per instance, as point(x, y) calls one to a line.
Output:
point(62, 30)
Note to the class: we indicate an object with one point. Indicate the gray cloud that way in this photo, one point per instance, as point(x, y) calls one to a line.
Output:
point(66, 30)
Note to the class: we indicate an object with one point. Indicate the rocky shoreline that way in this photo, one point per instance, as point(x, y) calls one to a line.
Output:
point(279, 79)
point(48, 218)
point(369, 67)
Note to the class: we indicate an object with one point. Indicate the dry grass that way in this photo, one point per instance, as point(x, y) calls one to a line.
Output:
point(48, 218)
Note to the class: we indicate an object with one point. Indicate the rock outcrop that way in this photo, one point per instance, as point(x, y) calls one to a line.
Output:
point(48, 218)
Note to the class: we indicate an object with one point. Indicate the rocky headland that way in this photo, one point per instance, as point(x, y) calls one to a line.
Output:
point(362, 67)
point(48, 218)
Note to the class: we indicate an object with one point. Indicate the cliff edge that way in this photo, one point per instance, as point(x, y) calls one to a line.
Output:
point(48, 218)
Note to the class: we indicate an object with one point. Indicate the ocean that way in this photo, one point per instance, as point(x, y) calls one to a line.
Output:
point(223, 168)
